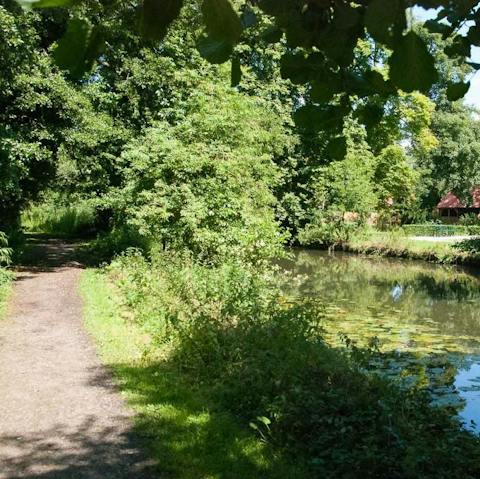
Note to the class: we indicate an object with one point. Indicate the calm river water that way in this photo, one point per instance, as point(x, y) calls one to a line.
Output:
point(426, 318)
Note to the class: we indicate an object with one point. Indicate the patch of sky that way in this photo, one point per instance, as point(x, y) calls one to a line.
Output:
point(473, 95)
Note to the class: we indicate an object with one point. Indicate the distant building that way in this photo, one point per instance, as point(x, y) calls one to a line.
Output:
point(451, 207)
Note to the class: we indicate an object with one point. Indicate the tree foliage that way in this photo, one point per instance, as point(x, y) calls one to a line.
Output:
point(453, 164)
point(320, 39)
point(206, 183)
point(37, 105)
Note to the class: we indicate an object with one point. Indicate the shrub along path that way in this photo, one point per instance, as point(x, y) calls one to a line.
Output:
point(60, 414)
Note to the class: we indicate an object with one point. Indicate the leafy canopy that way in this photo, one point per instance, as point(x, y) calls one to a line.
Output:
point(321, 37)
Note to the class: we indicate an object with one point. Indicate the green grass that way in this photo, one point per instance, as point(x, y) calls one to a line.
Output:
point(59, 221)
point(5, 288)
point(439, 230)
point(183, 429)
point(397, 244)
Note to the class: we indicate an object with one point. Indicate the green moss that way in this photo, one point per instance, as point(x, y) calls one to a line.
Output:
point(187, 433)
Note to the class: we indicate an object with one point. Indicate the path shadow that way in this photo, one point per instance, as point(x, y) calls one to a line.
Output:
point(188, 438)
point(46, 254)
point(89, 452)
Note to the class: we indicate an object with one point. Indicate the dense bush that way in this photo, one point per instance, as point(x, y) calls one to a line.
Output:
point(327, 228)
point(432, 229)
point(228, 330)
point(38, 106)
point(206, 184)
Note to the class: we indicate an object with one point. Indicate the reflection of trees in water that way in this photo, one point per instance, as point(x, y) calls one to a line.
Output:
point(426, 317)
point(433, 373)
point(436, 300)
point(458, 288)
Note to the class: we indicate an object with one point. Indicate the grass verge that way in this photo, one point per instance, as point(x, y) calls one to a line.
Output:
point(202, 351)
point(5, 288)
point(188, 434)
point(397, 244)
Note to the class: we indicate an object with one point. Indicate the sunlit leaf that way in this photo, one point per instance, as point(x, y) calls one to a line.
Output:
point(264, 420)
point(45, 3)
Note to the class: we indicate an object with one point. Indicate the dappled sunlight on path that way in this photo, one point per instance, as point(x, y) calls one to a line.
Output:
point(60, 413)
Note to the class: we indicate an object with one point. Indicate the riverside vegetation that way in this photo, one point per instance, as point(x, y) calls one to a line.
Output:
point(226, 335)
point(5, 276)
point(397, 243)
point(191, 189)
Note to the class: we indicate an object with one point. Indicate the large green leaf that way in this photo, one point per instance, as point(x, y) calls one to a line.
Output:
point(370, 115)
point(71, 50)
point(460, 47)
point(300, 69)
point(221, 21)
point(248, 18)
point(455, 91)
point(385, 19)
point(337, 148)
point(157, 15)
point(294, 67)
point(323, 91)
point(412, 67)
point(271, 34)
point(44, 3)
point(236, 72)
point(214, 51)
point(319, 118)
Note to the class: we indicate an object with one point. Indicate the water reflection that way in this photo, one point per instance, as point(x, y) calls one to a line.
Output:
point(426, 318)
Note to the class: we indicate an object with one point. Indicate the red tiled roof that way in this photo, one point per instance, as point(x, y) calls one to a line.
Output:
point(476, 197)
point(450, 201)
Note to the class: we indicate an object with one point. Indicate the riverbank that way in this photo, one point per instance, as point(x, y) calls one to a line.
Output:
point(184, 430)
point(230, 380)
point(398, 245)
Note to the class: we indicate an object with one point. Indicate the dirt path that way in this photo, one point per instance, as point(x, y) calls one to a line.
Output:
point(60, 415)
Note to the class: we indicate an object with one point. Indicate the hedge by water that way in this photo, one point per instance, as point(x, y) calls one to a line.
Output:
point(441, 230)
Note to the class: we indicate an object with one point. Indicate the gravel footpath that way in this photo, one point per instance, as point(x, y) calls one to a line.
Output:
point(60, 414)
